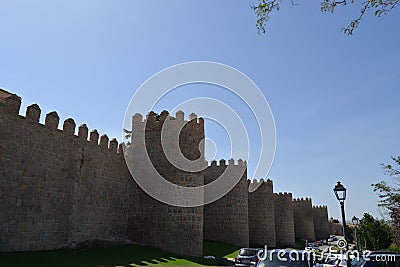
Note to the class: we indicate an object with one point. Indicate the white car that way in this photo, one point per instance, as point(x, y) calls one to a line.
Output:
point(332, 238)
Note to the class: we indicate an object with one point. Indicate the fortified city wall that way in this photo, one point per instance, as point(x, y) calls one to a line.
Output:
point(63, 187)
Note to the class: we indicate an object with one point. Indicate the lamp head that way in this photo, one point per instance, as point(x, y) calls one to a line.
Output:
point(340, 192)
point(355, 220)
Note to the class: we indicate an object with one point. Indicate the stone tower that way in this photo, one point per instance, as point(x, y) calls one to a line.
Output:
point(262, 215)
point(226, 220)
point(303, 226)
point(321, 222)
point(177, 229)
point(284, 221)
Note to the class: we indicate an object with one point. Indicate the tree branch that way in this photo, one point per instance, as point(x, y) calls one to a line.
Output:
point(264, 8)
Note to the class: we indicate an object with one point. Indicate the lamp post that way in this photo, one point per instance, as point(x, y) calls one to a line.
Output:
point(340, 193)
point(356, 222)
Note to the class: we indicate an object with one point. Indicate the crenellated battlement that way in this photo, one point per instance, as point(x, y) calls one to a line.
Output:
point(302, 199)
point(159, 130)
point(320, 207)
point(83, 131)
point(270, 183)
point(33, 113)
point(154, 121)
point(11, 104)
point(285, 194)
point(255, 181)
point(231, 162)
point(216, 169)
point(256, 185)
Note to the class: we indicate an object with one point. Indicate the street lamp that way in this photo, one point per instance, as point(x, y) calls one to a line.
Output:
point(355, 222)
point(340, 192)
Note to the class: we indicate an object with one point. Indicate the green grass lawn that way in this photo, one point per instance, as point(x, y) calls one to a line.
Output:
point(127, 255)
point(220, 249)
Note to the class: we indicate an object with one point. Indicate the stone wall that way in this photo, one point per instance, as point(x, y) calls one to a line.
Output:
point(321, 222)
point(284, 222)
point(57, 188)
point(303, 223)
point(262, 215)
point(336, 228)
point(177, 229)
point(28, 220)
point(226, 220)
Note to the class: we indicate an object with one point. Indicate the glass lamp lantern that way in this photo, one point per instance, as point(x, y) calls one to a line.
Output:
point(340, 192)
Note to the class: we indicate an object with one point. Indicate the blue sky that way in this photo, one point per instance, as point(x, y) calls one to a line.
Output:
point(334, 98)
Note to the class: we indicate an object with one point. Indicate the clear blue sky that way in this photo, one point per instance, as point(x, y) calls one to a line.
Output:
point(334, 98)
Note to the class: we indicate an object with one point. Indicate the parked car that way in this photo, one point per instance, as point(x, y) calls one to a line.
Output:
point(312, 246)
point(332, 238)
point(276, 258)
point(247, 257)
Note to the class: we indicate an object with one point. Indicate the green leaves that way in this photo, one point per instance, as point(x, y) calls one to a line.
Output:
point(390, 195)
point(262, 11)
point(380, 7)
point(376, 233)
